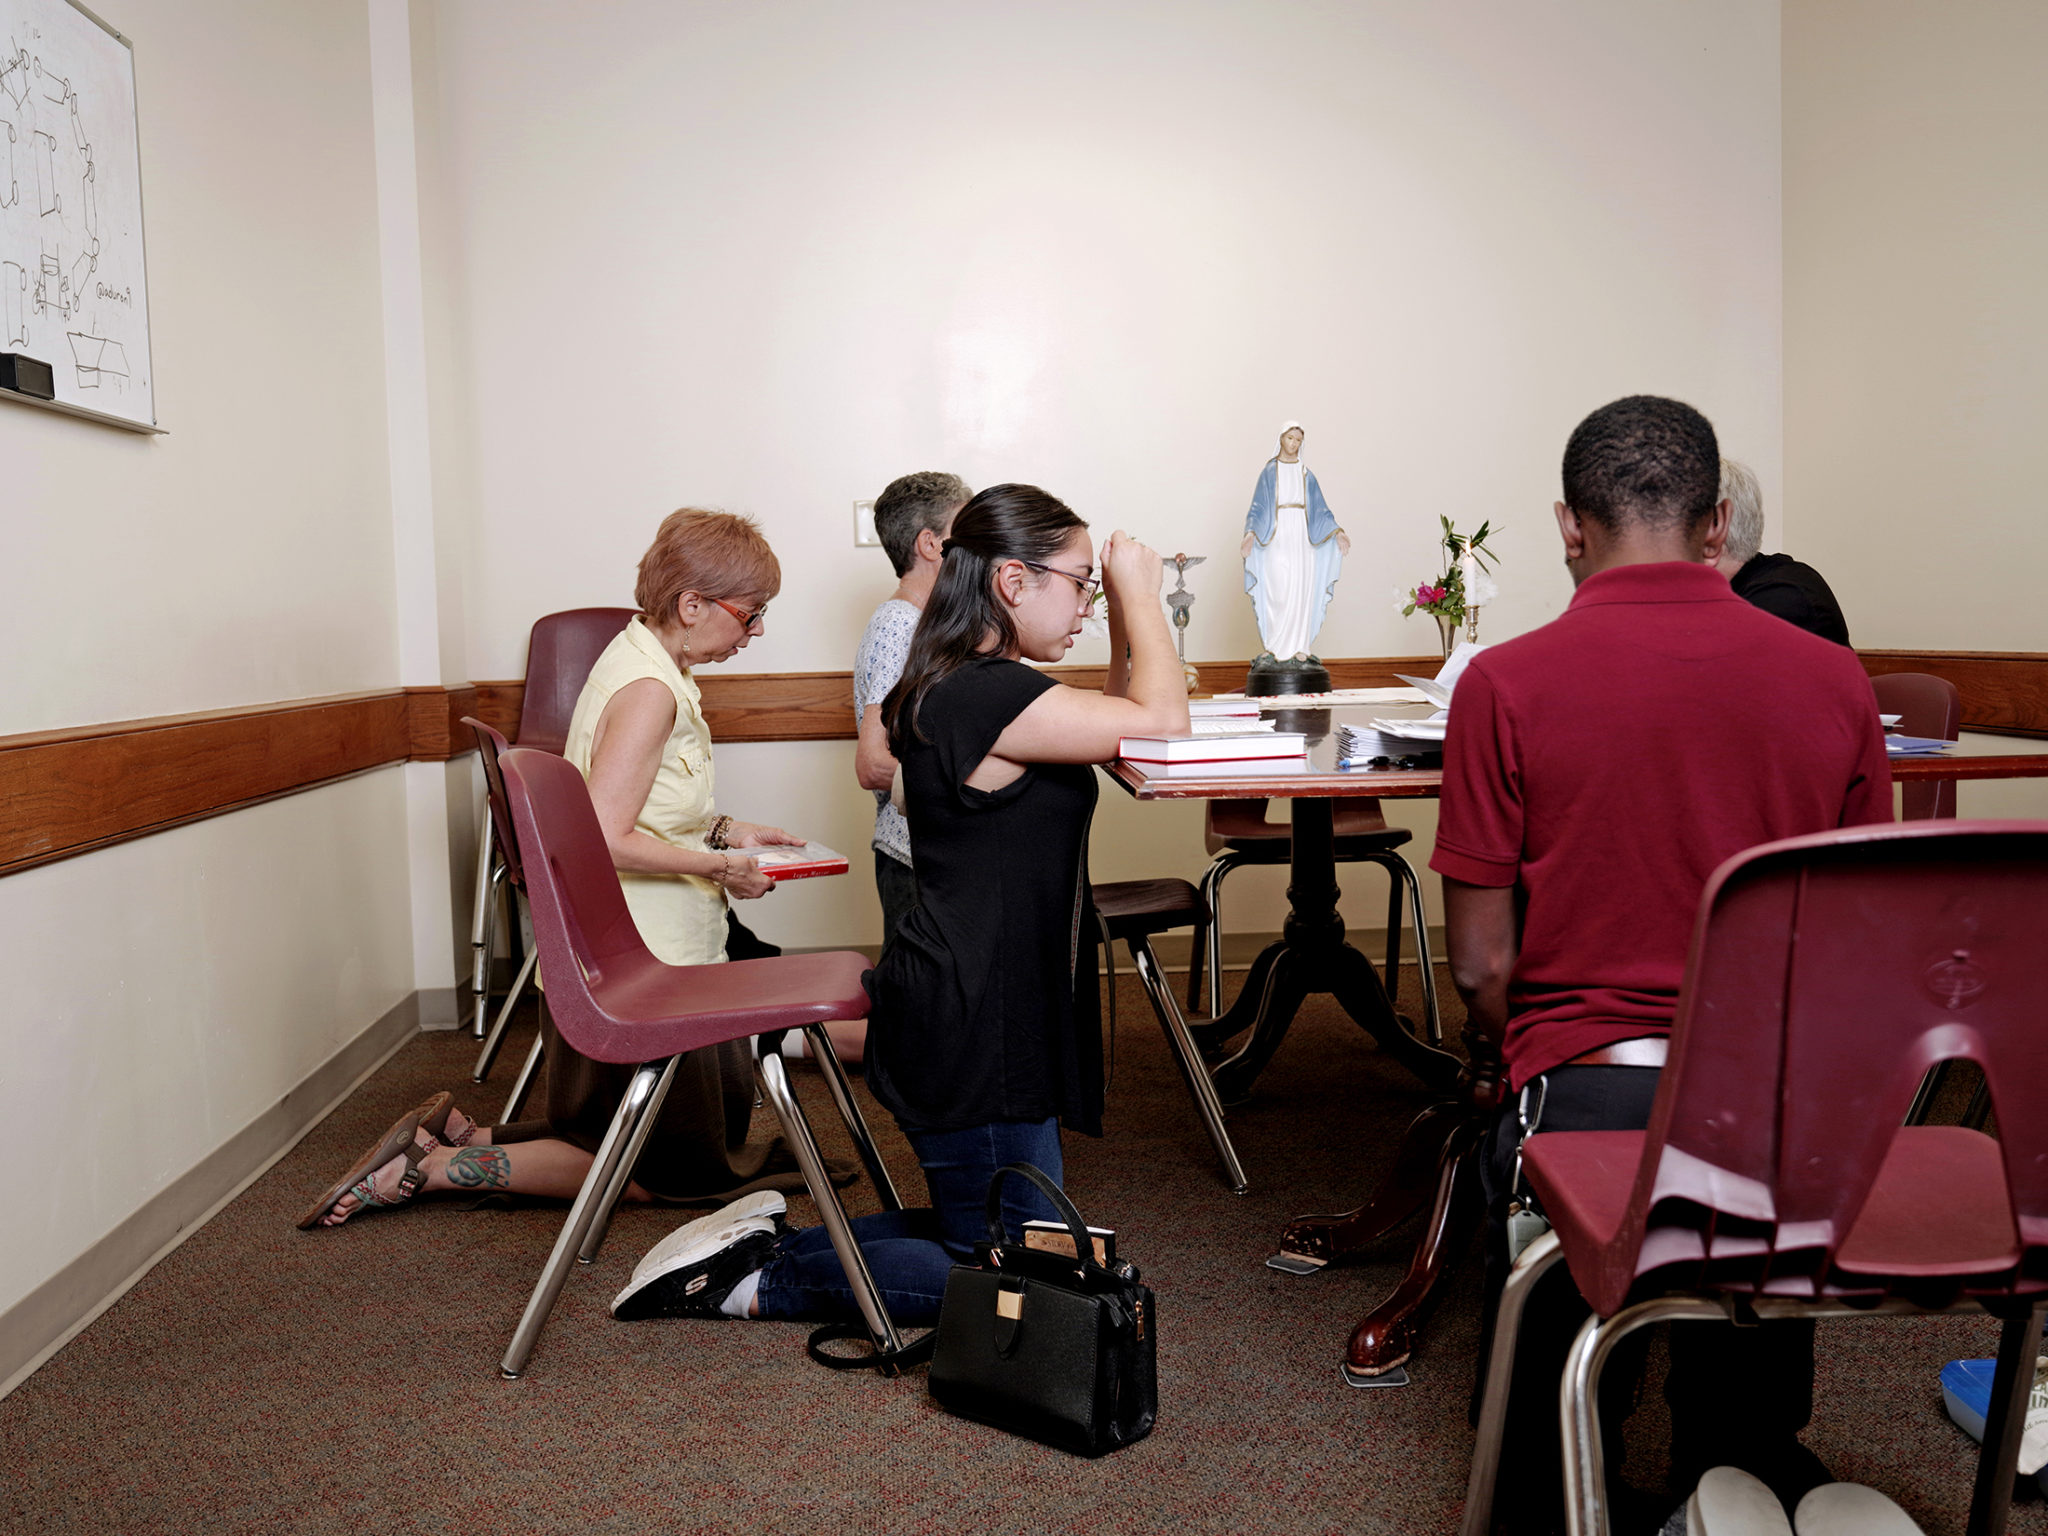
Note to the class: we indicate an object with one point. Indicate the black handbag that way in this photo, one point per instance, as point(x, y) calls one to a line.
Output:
point(1060, 1350)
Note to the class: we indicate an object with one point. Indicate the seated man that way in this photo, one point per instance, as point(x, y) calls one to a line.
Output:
point(1596, 771)
point(911, 519)
point(1778, 584)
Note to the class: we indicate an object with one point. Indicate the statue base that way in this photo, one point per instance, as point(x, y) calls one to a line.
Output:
point(1270, 677)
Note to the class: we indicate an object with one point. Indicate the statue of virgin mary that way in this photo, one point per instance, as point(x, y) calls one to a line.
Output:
point(1293, 551)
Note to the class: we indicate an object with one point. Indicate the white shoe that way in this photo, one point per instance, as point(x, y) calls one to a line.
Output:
point(715, 1250)
point(1730, 1502)
point(1850, 1509)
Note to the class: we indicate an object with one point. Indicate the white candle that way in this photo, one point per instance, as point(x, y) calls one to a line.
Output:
point(1470, 569)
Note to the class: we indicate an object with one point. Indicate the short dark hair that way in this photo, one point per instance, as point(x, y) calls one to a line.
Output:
point(1643, 460)
point(912, 504)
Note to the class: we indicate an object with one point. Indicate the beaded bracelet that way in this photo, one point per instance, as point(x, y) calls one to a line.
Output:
point(720, 826)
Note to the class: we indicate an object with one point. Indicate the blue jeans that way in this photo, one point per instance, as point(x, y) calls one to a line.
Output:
point(910, 1253)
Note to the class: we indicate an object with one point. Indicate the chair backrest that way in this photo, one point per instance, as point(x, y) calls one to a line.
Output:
point(490, 746)
point(1926, 706)
point(1827, 974)
point(559, 655)
point(581, 924)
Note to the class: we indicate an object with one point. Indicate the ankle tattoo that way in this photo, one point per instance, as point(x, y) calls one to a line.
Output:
point(480, 1168)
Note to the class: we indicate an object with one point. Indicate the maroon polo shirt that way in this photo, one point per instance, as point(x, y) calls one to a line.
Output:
point(1606, 763)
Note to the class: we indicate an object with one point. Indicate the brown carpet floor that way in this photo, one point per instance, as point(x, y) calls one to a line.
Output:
point(264, 1379)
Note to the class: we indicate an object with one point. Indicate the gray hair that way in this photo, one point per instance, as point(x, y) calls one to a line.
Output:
point(1745, 512)
point(911, 504)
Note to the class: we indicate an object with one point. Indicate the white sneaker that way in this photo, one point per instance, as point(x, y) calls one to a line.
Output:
point(1730, 1502)
point(1850, 1509)
point(689, 1272)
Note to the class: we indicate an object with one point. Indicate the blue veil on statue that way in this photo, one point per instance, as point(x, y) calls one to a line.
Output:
point(1292, 564)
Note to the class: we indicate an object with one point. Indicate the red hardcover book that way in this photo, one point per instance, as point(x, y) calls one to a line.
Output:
point(791, 862)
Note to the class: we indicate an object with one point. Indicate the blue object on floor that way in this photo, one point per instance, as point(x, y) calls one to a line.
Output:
point(1966, 1389)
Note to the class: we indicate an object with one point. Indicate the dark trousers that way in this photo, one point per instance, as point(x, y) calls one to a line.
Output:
point(896, 884)
point(910, 1253)
point(1738, 1396)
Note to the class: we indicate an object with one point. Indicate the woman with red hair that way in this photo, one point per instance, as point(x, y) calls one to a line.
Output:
point(639, 737)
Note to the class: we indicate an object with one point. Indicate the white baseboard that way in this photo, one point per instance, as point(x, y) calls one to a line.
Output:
point(55, 1312)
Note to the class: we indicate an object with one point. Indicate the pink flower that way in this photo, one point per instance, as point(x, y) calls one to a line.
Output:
point(1426, 595)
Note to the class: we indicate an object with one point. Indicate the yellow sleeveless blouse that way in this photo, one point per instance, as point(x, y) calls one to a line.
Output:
point(682, 917)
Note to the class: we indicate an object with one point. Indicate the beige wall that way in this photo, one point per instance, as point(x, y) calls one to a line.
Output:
point(1916, 316)
point(768, 258)
point(163, 994)
point(1916, 324)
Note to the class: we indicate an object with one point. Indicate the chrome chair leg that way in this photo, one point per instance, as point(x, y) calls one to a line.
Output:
point(1109, 965)
point(1189, 1060)
point(523, 1084)
point(489, 1053)
point(642, 1100)
point(834, 1073)
point(1212, 897)
point(622, 1174)
point(479, 939)
point(1425, 962)
point(1585, 1464)
point(480, 983)
point(774, 1083)
point(1537, 1259)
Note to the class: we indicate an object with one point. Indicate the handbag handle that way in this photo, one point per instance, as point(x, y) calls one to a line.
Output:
point(1084, 1246)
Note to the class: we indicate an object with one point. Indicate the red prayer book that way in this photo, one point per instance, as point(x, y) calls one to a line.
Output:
point(791, 862)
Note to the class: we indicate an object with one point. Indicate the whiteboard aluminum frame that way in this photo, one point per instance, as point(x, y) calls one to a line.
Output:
point(86, 413)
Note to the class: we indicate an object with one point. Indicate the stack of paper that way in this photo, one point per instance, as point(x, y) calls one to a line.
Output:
point(1335, 697)
point(1421, 739)
point(1915, 746)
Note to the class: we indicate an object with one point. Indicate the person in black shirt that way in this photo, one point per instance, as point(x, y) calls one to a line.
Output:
point(984, 1038)
point(1778, 584)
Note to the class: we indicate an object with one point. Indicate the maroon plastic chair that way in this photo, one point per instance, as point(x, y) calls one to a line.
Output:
point(1827, 975)
point(1237, 833)
point(560, 652)
point(615, 1002)
point(498, 827)
point(1926, 706)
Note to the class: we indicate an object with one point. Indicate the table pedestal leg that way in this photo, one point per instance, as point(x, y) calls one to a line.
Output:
point(1435, 1169)
point(1312, 956)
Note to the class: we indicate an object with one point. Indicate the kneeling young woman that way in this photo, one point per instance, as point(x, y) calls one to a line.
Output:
point(985, 1036)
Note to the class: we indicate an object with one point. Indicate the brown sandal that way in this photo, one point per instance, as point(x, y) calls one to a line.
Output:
point(440, 1119)
point(406, 1139)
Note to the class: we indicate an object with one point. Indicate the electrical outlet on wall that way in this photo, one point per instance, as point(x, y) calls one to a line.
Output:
point(864, 535)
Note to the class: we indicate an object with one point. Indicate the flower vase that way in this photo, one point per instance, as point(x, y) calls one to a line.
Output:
point(1446, 633)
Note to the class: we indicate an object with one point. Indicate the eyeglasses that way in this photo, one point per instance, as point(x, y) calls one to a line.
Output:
point(1089, 585)
point(747, 620)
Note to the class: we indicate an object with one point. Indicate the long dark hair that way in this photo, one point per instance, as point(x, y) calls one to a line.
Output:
point(963, 617)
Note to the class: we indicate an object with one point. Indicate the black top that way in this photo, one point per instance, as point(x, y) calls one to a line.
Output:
point(985, 1005)
point(1795, 593)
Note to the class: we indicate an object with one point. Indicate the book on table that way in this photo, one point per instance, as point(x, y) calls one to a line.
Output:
point(1239, 708)
point(792, 862)
point(1204, 747)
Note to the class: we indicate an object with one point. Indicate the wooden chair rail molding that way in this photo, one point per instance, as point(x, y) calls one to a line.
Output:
point(72, 791)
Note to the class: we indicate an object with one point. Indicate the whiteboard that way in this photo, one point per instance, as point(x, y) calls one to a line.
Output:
point(71, 280)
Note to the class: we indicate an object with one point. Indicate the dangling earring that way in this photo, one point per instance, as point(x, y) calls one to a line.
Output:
point(686, 644)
